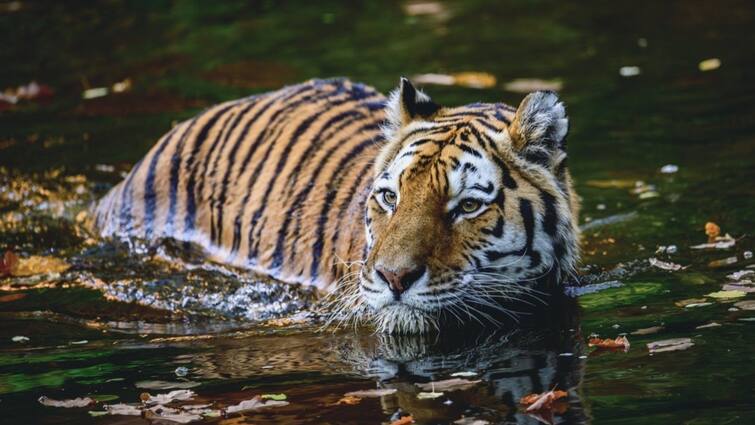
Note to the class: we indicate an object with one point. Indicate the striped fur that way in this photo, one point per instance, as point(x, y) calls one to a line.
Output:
point(289, 184)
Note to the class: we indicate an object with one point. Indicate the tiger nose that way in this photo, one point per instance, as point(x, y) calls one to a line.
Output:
point(400, 280)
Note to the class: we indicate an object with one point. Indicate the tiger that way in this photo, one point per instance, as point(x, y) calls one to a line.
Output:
point(409, 213)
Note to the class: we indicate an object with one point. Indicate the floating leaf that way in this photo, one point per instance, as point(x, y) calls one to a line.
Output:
point(528, 85)
point(708, 325)
point(452, 384)
point(464, 374)
point(712, 230)
point(543, 401)
point(740, 274)
point(165, 385)
point(347, 400)
point(665, 265)
point(406, 420)
point(673, 344)
point(254, 404)
point(619, 343)
point(709, 64)
point(477, 80)
point(745, 305)
point(725, 262)
point(648, 331)
point(430, 395)
point(104, 397)
point(76, 402)
point(167, 398)
point(379, 392)
point(123, 409)
point(276, 397)
point(738, 288)
point(20, 338)
point(689, 301)
point(726, 294)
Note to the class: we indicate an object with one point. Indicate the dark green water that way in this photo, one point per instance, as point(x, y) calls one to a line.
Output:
point(58, 154)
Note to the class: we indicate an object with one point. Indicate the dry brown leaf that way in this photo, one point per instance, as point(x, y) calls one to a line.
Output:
point(348, 400)
point(620, 343)
point(544, 401)
point(712, 230)
point(406, 420)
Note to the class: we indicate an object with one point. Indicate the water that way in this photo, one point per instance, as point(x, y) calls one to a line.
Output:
point(58, 154)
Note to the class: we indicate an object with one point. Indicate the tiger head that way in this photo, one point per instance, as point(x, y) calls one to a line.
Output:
point(471, 209)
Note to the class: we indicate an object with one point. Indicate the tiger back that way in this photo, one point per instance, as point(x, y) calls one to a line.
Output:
point(275, 183)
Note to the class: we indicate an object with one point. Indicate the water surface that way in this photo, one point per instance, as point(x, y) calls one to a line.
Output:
point(145, 313)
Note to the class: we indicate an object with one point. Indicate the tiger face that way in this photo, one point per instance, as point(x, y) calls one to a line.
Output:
point(471, 209)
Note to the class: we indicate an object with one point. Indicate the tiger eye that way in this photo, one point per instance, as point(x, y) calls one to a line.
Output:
point(470, 205)
point(389, 197)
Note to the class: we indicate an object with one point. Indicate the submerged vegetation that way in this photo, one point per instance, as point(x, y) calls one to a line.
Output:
point(661, 149)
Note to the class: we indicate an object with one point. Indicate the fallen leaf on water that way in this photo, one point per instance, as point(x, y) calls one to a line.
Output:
point(666, 265)
point(403, 421)
point(712, 230)
point(123, 409)
point(276, 397)
point(471, 421)
point(685, 303)
point(629, 71)
point(8, 263)
point(527, 85)
point(149, 399)
point(723, 262)
point(708, 325)
point(20, 338)
point(648, 331)
point(96, 413)
point(464, 374)
point(745, 305)
point(11, 298)
point(738, 288)
point(619, 343)
point(430, 395)
point(717, 242)
point(544, 401)
point(347, 400)
point(180, 417)
point(726, 294)
point(449, 385)
point(612, 184)
point(673, 344)
point(709, 64)
point(36, 264)
point(254, 404)
point(476, 80)
point(165, 385)
point(104, 397)
point(740, 274)
point(76, 402)
point(379, 392)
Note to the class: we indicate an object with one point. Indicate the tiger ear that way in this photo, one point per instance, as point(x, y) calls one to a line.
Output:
point(539, 127)
point(405, 105)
